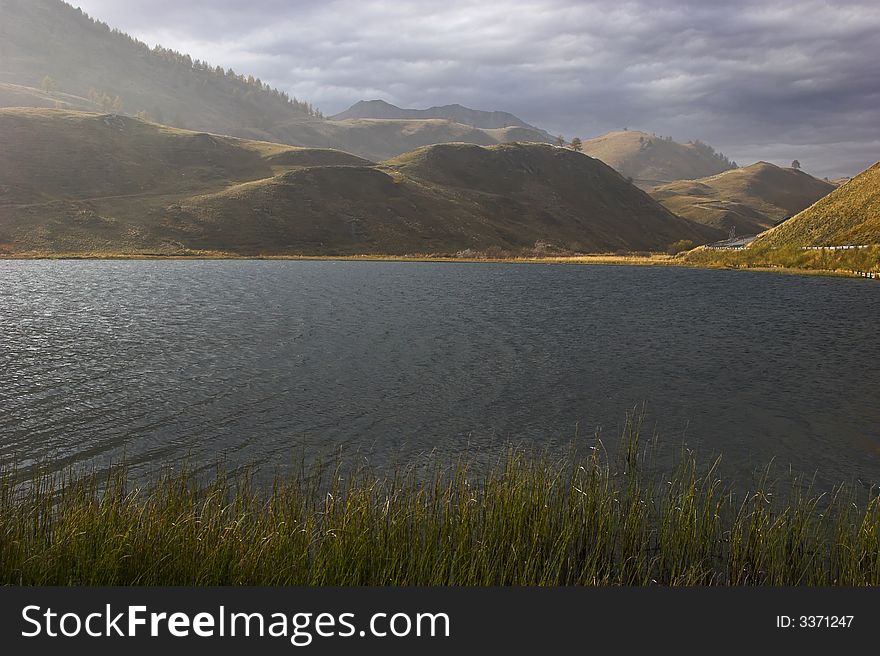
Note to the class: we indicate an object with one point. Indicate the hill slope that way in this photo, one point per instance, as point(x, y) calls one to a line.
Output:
point(476, 118)
point(848, 215)
point(74, 181)
point(379, 139)
point(52, 155)
point(78, 182)
point(650, 160)
point(750, 199)
point(54, 56)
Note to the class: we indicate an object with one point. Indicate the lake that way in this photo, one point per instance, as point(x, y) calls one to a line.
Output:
point(268, 362)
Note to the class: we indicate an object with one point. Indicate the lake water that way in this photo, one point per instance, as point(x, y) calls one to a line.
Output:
point(265, 362)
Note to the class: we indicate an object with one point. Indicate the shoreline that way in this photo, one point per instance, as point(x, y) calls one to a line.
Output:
point(598, 259)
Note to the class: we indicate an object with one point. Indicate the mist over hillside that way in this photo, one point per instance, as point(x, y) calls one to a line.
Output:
point(55, 56)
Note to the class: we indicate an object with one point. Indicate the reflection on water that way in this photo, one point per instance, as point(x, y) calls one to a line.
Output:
point(261, 362)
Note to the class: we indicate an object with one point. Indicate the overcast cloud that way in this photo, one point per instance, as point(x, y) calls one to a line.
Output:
point(773, 79)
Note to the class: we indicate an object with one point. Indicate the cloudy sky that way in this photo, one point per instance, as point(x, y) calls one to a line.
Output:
point(770, 79)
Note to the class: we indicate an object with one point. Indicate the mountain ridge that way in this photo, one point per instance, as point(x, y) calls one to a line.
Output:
point(56, 56)
point(380, 109)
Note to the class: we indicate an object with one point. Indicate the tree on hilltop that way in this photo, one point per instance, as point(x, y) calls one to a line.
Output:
point(48, 85)
point(577, 144)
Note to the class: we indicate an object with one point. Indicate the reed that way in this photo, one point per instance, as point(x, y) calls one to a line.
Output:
point(530, 519)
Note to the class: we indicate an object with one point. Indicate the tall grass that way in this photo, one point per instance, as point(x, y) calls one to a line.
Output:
point(530, 519)
point(859, 260)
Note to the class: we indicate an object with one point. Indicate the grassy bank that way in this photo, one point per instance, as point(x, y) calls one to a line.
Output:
point(796, 261)
point(529, 520)
point(791, 258)
point(634, 259)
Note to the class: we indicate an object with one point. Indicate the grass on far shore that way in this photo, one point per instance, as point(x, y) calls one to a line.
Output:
point(791, 258)
point(597, 258)
point(785, 260)
point(529, 520)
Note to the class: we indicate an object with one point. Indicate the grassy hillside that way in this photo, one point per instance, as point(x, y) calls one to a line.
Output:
point(848, 215)
point(447, 198)
point(651, 160)
point(57, 154)
point(54, 56)
point(81, 182)
point(751, 199)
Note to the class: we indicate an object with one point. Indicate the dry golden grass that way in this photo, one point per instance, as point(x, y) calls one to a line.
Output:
point(790, 259)
point(848, 215)
point(751, 199)
point(651, 160)
point(84, 183)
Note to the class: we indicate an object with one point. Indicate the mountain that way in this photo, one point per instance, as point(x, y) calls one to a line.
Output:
point(54, 56)
point(379, 139)
point(651, 160)
point(456, 113)
point(849, 215)
point(77, 182)
point(750, 199)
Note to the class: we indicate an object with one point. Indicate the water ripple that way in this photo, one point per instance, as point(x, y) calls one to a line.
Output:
point(156, 362)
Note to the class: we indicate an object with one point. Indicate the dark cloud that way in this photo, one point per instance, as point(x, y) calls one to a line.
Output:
point(774, 80)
